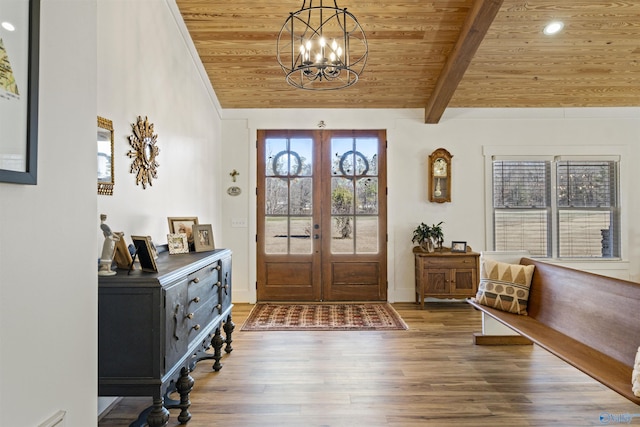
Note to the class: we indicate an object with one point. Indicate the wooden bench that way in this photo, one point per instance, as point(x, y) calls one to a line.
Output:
point(590, 321)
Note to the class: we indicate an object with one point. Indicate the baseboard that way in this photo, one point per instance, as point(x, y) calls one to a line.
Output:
point(480, 339)
point(106, 410)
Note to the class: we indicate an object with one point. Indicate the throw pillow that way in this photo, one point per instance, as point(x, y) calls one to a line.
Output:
point(504, 286)
point(635, 376)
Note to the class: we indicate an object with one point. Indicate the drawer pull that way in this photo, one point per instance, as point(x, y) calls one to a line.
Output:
point(196, 327)
point(219, 306)
point(196, 300)
point(196, 280)
point(218, 267)
point(189, 316)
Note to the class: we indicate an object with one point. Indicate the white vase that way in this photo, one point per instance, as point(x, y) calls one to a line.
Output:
point(427, 245)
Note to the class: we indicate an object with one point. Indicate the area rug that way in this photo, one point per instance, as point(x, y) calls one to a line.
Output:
point(323, 317)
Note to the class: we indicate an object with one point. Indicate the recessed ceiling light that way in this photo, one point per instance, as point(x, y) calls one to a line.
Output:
point(8, 26)
point(553, 27)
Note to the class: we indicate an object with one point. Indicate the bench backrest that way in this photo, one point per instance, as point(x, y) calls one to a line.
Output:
point(600, 311)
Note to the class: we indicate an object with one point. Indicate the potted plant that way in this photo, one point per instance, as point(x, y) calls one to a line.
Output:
point(427, 236)
point(422, 236)
point(437, 235)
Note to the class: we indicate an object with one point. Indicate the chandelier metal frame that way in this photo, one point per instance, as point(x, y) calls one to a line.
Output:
point(322, 47)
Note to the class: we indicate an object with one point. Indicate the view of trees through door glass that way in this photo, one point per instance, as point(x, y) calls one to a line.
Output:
point(289, 195)
point(354, 195)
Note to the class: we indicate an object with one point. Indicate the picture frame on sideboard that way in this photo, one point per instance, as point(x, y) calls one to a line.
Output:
point(122, 256)
point(458, 246)
point(182, 225)
point(203, 237)
point(144, 252)
point(177, 243)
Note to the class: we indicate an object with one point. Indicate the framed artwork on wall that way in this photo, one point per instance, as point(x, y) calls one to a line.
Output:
point(19, 59)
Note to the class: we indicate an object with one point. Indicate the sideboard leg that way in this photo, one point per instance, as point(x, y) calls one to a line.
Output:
point(217, 342)
point(159, 415)
point(184, 387)
point(229, 326)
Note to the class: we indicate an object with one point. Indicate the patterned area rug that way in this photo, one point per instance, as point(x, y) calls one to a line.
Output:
point(323, 317)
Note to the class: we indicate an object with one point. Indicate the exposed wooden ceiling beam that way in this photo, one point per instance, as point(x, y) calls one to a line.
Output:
point(475, 27)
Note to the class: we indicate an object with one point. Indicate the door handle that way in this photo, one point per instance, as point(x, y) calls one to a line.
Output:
point(316, 236)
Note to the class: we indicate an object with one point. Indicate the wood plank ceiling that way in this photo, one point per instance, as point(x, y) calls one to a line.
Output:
point(419, 50)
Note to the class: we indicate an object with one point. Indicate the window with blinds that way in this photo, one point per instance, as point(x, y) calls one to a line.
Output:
point(575, 218)
point(588, 220)
point(521, 206)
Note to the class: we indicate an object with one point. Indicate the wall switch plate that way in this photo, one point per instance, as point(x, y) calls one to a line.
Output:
point(239, 222)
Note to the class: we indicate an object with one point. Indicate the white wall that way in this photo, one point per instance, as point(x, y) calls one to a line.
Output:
point(48, 294)
point(118, 59)
point(464, 132)
point(145, 68)
point(236, 219)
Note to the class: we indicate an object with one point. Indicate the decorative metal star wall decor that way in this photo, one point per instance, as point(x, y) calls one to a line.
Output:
point(144, 152)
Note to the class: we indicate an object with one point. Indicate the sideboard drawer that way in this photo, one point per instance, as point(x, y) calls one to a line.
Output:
point(450, 262)
point(202, 282)
point(201, 314)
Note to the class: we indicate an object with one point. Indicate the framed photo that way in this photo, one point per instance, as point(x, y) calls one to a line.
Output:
point(203, 237)
point(458, 246)
point(122, 256)
point(154, 250)
point(144, 252)
point(178, 243)
point(19, 57)
point(183, 225)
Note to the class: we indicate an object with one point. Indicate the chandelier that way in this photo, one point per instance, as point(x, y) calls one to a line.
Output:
point(322, 47)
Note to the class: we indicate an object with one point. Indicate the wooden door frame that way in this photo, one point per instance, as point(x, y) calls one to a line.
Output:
point(322, 211)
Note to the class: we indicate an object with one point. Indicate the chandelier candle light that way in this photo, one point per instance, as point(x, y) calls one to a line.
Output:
point(322, 47)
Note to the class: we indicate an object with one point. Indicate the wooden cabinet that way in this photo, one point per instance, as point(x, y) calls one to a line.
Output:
point(154, 327)
point(446, 274)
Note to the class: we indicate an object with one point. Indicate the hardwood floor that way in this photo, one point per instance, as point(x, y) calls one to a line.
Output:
point(431, 374)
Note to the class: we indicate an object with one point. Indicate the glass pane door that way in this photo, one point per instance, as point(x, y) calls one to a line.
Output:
point(321, 219)
point(289, 195)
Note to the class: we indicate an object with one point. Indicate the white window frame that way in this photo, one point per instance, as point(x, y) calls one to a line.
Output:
point(554, 153)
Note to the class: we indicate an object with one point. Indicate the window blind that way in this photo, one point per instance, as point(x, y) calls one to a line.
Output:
point(581, 209)
point(588, 223)
point(521, 202)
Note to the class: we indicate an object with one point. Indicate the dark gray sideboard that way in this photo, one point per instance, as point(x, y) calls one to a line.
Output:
point(154, 327)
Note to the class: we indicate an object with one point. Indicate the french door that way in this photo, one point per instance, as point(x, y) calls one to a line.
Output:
point(321, 216)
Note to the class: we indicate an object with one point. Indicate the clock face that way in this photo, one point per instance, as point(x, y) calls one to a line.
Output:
point(440, 167)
